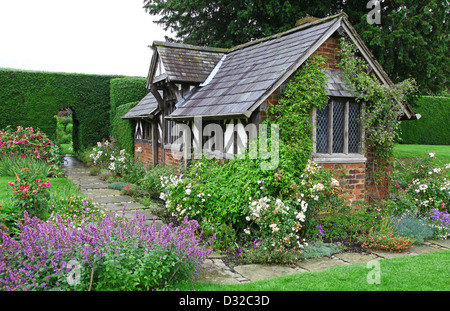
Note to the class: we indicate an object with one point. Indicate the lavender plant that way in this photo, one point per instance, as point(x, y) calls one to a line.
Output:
point(112, 254)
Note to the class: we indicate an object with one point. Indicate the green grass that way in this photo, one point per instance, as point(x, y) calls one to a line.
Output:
point(427, 272)
point(59, 186)
point(67, 148)
point(410, 151)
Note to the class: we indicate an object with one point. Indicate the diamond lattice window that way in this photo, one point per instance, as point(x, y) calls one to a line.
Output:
point(338, 127)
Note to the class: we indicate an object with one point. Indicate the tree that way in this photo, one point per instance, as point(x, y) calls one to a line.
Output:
point(412, 39)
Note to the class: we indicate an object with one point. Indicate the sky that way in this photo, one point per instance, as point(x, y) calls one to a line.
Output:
point(82, 36)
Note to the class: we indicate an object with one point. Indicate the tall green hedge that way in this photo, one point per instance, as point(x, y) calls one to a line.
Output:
point(433, 127)
point(124, 129)
point(125, 93)
point(33, 98)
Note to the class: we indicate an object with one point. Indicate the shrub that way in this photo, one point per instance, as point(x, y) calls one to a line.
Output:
point(419, 186)
point(430, 129)
point(440, 221)
point(151, 182)
point(411, 227)
point(112, 254)
point(31, 193)
point(387, 242)
point(253, 201)
point(73, 209)
point(24, 142)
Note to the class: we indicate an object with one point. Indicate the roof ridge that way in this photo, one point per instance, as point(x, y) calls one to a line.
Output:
point(190, 47)
point(287, 32)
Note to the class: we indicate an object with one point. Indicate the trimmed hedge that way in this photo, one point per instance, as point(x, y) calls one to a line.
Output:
point(123, 130)
point(125, 94)
point(432, 127)
point(33, 98)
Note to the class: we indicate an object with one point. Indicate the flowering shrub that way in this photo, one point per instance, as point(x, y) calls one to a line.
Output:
point(439, 220)
point(31, 193)
point(108, 155)
point(421, 186)
point(387, 242)
point(73, 209)
point(25, 142)
point(265, 204)
point(112, 254)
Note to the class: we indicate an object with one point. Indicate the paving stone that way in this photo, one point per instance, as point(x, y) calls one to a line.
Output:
point(390, 255)
point(255, 272)
point(441, 243)
point(216, 274)
point(355, 257)
point(316, 264)
point(422, 249)
point(113, 199)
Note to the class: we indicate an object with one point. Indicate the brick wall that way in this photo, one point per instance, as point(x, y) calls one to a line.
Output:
point(351, 177)
point(328, 50)
point(144, 150)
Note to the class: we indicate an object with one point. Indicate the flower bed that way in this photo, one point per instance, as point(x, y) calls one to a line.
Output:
point(105, 254)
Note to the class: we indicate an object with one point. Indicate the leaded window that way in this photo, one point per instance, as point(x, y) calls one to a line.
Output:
point(337, 127)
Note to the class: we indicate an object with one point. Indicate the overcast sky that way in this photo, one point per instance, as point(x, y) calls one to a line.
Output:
point(82, 36)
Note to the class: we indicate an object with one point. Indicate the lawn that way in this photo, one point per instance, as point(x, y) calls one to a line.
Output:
point(60, 186)
point(398, 274)
point(442, 152)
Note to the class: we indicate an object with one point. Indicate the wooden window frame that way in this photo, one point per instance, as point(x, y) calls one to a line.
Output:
point(345, 156)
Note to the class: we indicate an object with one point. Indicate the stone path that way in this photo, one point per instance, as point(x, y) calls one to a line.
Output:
point(97, 190)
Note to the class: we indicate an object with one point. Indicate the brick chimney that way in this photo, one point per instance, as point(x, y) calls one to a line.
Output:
point(306, 20)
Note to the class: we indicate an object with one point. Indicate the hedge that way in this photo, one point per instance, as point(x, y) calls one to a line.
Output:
point(123, 129)
point(125, 93)
point(432, 127)
point(33, 98)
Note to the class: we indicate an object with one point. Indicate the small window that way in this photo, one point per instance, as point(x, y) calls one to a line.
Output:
point(337, 128)
point(143, 130)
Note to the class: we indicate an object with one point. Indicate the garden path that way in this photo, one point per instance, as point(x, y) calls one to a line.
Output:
point(219, 272)
point(96, 189)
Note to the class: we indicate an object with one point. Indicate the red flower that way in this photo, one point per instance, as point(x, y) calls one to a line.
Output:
point(23, 156)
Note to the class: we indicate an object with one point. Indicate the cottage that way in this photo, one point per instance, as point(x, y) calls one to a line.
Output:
point(192, 87)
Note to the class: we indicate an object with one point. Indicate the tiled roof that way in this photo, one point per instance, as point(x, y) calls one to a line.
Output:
point(250, 71)
point(335, 84)
point(187, 63)
point(144, 108)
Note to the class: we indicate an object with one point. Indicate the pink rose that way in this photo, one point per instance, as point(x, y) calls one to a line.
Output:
point(47, 184)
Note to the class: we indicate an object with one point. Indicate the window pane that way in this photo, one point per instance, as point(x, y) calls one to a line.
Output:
point(353, 127)
point(338, 126)
point(322, 130)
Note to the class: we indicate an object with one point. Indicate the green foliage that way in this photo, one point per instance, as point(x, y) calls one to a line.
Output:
point(123, 130)
point(31, 193)
point(151, 182)
point(125, 94)
point(293, 113)
point(22, 93)
point(382, 105)
point(432, 127)
point(411, 227)
point(419, 186)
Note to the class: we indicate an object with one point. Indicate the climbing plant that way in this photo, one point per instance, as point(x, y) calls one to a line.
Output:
point(305, 90)
point(382, 104)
